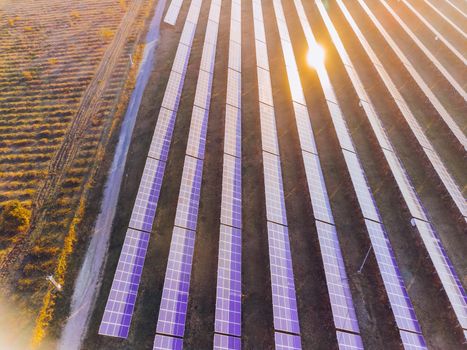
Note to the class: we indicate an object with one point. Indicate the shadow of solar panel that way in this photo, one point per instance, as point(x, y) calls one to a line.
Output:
point(225, 342)
point(285, 341)
point(121, 302)
point(162, 342)
point(172, 312)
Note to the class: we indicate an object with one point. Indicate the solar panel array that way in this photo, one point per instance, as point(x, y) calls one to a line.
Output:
point(435, 32)
point(446, 18)
point(122, 297)
point(173, 307)
point(336, 278)
point(400, 303)
point(433, 157)
point(433, 244)
point(285, 314)
point(228, 314)
point(455, 129)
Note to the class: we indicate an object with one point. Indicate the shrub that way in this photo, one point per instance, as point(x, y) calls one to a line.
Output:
point(15, 218)
point(27, 75)
point(107, 34)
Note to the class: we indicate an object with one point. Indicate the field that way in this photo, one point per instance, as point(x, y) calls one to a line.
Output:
point(65, 76)
point(60, 107)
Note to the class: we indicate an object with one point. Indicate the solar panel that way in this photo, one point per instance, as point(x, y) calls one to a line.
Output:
point(336, 279)
point(211, 32)
point(400, 302)
point(285, 341)
point(408, 192)
point(264, 87)
point(349, 341)
point(193, 12)
point(144, 209)
point(305, 132)
point(235, 56)
point(364, 196)
point(121, 302)
point(225, 342)
point(162, 342)
point(234, 88)
point(261, 55)
point(412, 341)
point(203, 90)
point(231, 205)
point(233, 124)
point(229, 294)
point(197, 136)
point(236, 14)
point(208, 57)
point(340, 126)
point(282, 280)
point(188, 198)
point(317, 188)
point(448, 276)
point(215, 11)
point(173, 91)
point(275, 206)
point(181, 59)
point(172, 312)
point(268, 129)
point(162, 136)
point(173, 11)
point(188, 33)
point(260, 35)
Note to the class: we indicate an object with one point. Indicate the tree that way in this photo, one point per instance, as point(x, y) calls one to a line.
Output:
point(15, 218)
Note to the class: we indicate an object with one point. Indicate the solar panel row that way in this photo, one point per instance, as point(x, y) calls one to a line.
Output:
point(446, 18)
point(173, 308)
point(438, 166)
point(285, 313)
point(433, 244)
point(121, 301)
point(395, 289)
point(455, 129)
point(228, 315)
point(336, 278)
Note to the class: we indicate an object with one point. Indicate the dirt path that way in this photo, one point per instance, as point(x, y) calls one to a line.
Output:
point(88, 281)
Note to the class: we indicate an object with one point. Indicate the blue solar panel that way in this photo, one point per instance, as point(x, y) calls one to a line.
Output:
point(188, 198)
point(231, 205)
point(162, 342)
point(144, 209)
point(121, 302)
point(349, 341)
point(412, 341)
point(162, 137)
point(275, 205)
point(233, 125)
point(392, 279)
point(336, 278)
point(198, 128)
point(225, 342)
point(172, 313)
point(285, 341)
point(229, 293)
point(282, 280)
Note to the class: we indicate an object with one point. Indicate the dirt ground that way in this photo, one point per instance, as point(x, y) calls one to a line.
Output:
point(377, 324)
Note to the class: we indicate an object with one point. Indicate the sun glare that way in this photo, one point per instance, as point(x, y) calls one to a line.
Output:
point(315, 56)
